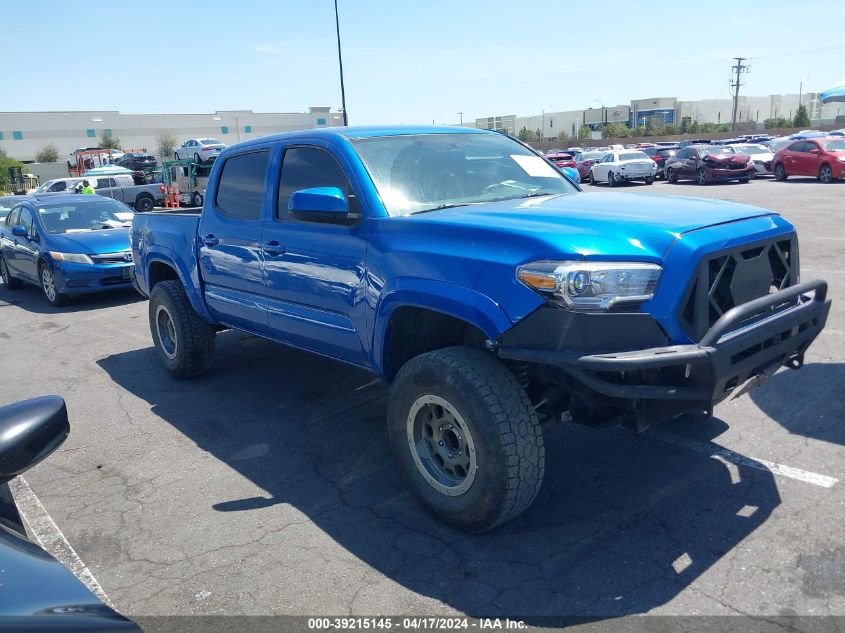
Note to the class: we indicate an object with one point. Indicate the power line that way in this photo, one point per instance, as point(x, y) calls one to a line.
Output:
point(738, 69)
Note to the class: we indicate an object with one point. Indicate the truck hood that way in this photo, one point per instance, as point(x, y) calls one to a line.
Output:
point(92, 242)
point(598, 225)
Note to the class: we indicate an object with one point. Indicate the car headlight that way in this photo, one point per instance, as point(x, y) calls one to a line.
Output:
point(73, 258)
point(591, 285)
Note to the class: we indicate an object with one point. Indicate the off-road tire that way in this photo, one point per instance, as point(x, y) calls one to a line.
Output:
point(508, 440)
point(10, 282)
point(194, 341)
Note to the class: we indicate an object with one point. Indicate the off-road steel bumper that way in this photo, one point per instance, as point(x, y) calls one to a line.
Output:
point(749, 342)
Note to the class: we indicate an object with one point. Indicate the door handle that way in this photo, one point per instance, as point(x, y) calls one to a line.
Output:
point(273, 248)
point(210, 240)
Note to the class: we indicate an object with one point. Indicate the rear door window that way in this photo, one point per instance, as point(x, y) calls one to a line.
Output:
point(241, 187)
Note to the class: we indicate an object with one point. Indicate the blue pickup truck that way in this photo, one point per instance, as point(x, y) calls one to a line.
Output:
point(477, 281)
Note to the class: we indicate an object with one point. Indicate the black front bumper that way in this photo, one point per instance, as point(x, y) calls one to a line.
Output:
point(750, 341)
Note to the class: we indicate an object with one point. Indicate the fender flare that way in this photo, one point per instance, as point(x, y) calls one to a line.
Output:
point(438, 296)
point(188, 278)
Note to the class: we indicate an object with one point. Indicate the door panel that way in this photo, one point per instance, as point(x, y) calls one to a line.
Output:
point(25, 249)
point(315, 270)
point(229, 242)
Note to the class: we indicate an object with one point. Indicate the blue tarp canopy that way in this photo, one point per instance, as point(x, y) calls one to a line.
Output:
point(837, 93)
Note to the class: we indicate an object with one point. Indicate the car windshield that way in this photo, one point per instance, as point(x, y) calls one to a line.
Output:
point(425, 172)
point(210, 141)
point(75, 218)
point(834, 146)
point(752, 149)
point(715, 150)
point(634, 156)
point(593, 155)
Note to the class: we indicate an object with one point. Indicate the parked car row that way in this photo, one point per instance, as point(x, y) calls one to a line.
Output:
point(706, 162)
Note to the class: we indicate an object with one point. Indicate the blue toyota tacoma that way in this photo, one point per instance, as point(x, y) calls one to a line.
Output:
point(489, 292)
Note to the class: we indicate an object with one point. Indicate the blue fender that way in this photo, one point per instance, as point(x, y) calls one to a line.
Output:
point(189, 278)
point(439, 296)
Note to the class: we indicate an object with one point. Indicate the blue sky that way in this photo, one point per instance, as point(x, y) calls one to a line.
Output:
point(409, 61)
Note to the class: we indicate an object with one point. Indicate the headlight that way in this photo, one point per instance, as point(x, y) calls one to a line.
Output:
point(591, 285)
point(73, 258)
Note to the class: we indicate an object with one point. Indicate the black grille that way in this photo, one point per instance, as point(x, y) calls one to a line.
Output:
point(735, 276)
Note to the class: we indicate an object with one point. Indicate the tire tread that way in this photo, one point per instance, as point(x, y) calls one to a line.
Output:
point(513, 415)
point(197, 353)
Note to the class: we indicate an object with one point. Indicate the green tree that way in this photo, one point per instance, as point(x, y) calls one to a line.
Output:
point(107, 141)
point(776, 122)
point(527, 135)
point(47, 154)
point(801, 119)
point(655, 125)
point(5, 163)
point(638, 131)
point(670, 130)
point(615, 130)
point(584, 132)
point(166, 144)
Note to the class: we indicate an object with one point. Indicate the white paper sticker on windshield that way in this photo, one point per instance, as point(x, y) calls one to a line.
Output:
point(535, 166)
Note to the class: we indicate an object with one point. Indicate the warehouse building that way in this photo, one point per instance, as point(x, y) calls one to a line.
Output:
point(673, 112)
point(24, 134)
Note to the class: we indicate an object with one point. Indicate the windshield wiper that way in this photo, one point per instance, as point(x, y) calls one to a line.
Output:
point(444, 206)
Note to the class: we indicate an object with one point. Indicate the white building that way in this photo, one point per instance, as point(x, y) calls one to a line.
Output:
point(23, 134)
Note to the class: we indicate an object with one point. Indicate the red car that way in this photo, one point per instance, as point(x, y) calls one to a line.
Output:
point(562, 160)
point(585, 160)
point(708, 163)
point(822, 158)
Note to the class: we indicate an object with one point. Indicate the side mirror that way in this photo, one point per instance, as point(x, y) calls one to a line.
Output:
point(323, 200)
point(19, 231)
point(29, 431)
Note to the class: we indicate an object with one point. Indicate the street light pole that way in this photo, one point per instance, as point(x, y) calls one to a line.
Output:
point(340, 64)
point(461, 114)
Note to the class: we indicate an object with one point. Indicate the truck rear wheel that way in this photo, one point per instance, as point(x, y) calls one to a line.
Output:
point(466, 437)
point(144, 204)
point(183, 340)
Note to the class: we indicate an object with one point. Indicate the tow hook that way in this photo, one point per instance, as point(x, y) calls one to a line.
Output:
point(796, 361)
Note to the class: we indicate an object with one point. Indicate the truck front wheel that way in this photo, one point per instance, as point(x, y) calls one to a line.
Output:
point(466, 437)
point(183, 340)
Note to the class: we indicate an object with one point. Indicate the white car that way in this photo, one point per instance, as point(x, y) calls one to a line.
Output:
point(761, 157)
point(623, 165)
point(202, 150)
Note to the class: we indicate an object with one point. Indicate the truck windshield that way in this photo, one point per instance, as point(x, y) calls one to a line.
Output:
point(88, 216)
point(426, 172)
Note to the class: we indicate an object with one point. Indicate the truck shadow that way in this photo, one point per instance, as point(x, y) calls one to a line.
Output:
point(621, 526)
point(823, 385)
point(32, 299)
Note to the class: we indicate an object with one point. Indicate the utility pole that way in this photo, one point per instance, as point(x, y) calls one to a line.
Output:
point(461, 114)
point(738, 69)
point(340, 64)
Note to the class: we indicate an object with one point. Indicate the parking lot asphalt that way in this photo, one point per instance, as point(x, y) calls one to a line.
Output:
point(267, 486)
